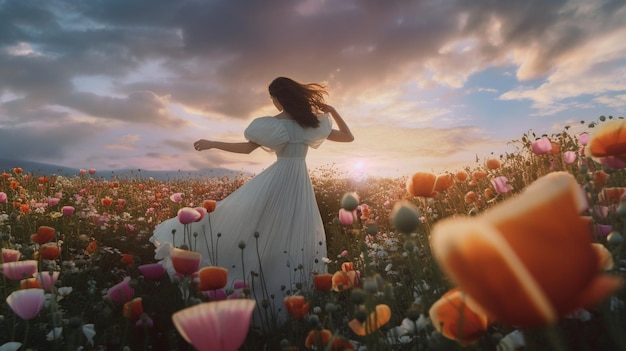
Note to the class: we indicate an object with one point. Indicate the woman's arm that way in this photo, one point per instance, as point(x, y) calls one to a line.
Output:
point(239, 148)
point(343, 134)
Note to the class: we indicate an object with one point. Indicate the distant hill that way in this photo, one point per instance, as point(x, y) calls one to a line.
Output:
point(39, 169)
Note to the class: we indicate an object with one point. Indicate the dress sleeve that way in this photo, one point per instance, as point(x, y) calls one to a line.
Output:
point(315, 136)
point(267, 132)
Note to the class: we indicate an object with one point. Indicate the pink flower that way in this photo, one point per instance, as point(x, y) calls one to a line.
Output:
point(121, 292)
point(215, 295)
point(583, 138)
point(188, 215)
point(612, 162)
point(67, 210)
point(202, 212)
point(10, 255)
point(185, 262)
point(176, 197)
point(569, 157)
point(82, 172)
point(19, 270)
point(53, 201)
point(346, 217)
point(541, 146)
point(3, 197)
point(152, 271)
point(500, 184)
point(26, 303)
point(92, 171)
point(46, 279)
point(220, 325)
point(603, 229)
point(344, 253)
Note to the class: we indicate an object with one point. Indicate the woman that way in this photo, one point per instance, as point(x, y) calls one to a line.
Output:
point(271, 234)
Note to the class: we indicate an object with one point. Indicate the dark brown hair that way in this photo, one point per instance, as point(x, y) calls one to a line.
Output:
point(300, 101)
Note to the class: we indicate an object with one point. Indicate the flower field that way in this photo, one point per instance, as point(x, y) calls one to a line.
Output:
point(522, 251)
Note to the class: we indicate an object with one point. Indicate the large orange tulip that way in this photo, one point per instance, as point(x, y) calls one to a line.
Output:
point(376, 319)
point(455, 320)
point(529, 260)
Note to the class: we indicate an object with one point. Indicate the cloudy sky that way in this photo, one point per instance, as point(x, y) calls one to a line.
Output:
point(425, 85)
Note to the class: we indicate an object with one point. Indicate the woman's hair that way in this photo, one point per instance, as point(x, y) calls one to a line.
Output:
point(300, 101)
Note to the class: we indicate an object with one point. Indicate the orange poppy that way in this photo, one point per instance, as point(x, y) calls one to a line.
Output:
point(43, 180)
point(212, 278)
point(344, 280)
point(209, 205)
point(49, 251)
point(504, 259)
point(461, 176)
point(323, 282)
point(376, 319)
point(6, 175)
point(443, 182)
point(455, 320)
point(25, 208)
point(106, 201)
point(17, 170)
point(297, 306)
point(347, 266)
point(488, 193)
point(493, 163)
point(30, 283)
point(91, 248)
point(44, 234)
point(608, 139)
point(318, 339)
point(422, 184)
point(470, 197)
point(14, 184)
point(133, 309)
point(477, 175)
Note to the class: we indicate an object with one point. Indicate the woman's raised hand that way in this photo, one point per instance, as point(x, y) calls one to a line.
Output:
point(202, 144)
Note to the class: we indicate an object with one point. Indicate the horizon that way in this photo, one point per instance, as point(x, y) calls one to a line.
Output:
point(424, 86)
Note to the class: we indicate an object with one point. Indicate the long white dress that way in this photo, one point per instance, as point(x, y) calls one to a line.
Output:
point(279, 204)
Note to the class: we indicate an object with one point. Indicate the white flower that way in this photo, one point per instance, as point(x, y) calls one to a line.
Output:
point(89, 332)
point(512, 341)
point(11, 346)
point(55, 334)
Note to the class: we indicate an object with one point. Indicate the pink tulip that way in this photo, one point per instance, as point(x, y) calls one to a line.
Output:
point(176, 197)
point(541, 146)
point(46, 279)
point(26, 303)
point(202, 212)
point(152, 271)
point(346, 217)
point(185, 262)
point(188, 215)
point(583, 138)
point(569, 157)
point(220, 325)
point(53, 201)
point(3, 197)
point(500, 184)
point(19, 270)
point(121, 292)
point(215, 295)
point(67, 210)
point(10, 255)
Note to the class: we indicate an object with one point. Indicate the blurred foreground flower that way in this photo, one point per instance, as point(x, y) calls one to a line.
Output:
point(221, 325)
point(19, 270)
point(541, 146)
point(608, 140)
point(455, 320)
point(26, 303)
point(528, 261)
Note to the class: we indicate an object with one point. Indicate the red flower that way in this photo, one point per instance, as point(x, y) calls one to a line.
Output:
point(133, 309)
point(318, 339)
point(323, 282)
point(43, 235)
point(212, 278)
point(49, 251)
point(128, 260)
point(209, 205)
point(106, 202)
point(297, 306)
point(185, 262)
